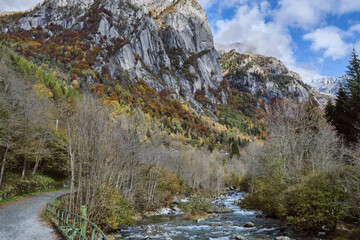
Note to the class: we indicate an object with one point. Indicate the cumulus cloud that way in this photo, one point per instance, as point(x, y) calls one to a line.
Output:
point(302, 13)
point(249, 28)
point(330, 40)
point(17, 5)
point(355, 28)
point(348, 6)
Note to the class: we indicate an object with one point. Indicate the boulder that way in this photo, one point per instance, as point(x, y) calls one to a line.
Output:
point(238, 237)
point(249, 225)
point(282, 238)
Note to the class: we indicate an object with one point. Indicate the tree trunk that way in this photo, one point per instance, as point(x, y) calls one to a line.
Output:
point(41, 143)
point(36, 164)
point(3, 167)
point(24, 169)
point(72, 169)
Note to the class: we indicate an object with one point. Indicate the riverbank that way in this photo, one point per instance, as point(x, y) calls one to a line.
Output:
point(238, 222)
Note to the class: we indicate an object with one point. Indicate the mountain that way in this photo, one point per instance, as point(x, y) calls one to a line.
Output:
point(122, 49)
point(265, 77)
point(167, 44)
point(329, 85)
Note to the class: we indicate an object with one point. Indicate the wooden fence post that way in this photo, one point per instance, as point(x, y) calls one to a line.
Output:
point(83, 224)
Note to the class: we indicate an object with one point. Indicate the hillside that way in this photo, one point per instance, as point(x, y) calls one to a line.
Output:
point(265, 77)
point(129, 104)
point(166, 44)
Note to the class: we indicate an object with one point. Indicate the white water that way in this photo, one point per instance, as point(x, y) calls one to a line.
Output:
point(220, 227)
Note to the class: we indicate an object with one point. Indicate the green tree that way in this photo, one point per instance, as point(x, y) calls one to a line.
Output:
point(234, 150)
point(354, 89)
point(353, 70)
point(329, 111)
point(342, 117)
point(315, 203)
point(345, 114)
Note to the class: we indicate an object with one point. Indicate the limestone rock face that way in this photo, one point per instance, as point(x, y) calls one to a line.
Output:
point(265, 77)
point(168, 44)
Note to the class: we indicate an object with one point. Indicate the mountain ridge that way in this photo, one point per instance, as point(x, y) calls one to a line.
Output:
point(167, 44)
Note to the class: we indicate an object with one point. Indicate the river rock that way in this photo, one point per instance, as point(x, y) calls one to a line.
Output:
point(237, 202)
point(149, 214)
point(118, 236)
point(238, 237)
point(149, 229)
point(201, 219)
point(249, 225)
point(137, 217)
point(282, 238)
point(321, 234)
point(220, 209)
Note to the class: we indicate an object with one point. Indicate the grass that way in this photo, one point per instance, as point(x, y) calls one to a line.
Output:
point(17, 198)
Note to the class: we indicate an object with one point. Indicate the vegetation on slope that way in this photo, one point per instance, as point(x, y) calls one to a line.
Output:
point(30, 153)
point(119, 153)
point(304, 173)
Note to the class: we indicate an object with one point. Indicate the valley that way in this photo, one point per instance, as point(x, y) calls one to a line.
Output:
point(132, 106)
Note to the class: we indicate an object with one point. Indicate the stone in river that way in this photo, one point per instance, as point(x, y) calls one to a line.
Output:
point(282, 238)
point(249, 225)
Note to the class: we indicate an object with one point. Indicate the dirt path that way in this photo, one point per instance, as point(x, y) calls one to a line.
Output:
point(21, 220)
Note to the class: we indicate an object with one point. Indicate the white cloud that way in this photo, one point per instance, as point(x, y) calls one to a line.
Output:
point(330, 40)
point(355, 28)
point(348, 6)
point(249, 28)
point(302, 13)
point(307, 74)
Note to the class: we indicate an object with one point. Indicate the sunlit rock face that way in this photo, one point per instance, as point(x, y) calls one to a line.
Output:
point(265, 77)
point(169, 44)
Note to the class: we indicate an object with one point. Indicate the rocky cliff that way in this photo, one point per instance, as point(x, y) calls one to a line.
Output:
point(168, 44)
point(265, 77)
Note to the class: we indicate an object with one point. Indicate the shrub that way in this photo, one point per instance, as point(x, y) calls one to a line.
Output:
point(315, 203)
point(267, 196)
point(114, 211)
point(196, 207)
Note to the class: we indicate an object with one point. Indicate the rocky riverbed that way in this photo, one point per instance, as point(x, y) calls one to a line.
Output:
point(237, 224)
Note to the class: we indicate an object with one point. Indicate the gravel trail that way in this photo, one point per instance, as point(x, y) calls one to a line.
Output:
point(21, 220)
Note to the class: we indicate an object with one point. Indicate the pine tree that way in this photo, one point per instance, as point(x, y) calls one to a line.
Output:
point(234, 150)
point(346, 112)
point(342, 117)
point(329, 111)
point(353, 70)
point(354, 91)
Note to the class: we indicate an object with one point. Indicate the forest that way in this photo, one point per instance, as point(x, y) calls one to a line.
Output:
point(116, 157)
point(308, 171)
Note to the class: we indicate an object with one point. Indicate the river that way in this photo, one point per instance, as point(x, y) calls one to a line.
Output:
point(221, 226)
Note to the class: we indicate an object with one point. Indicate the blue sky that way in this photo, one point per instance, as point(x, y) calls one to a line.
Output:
point(312, 37)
